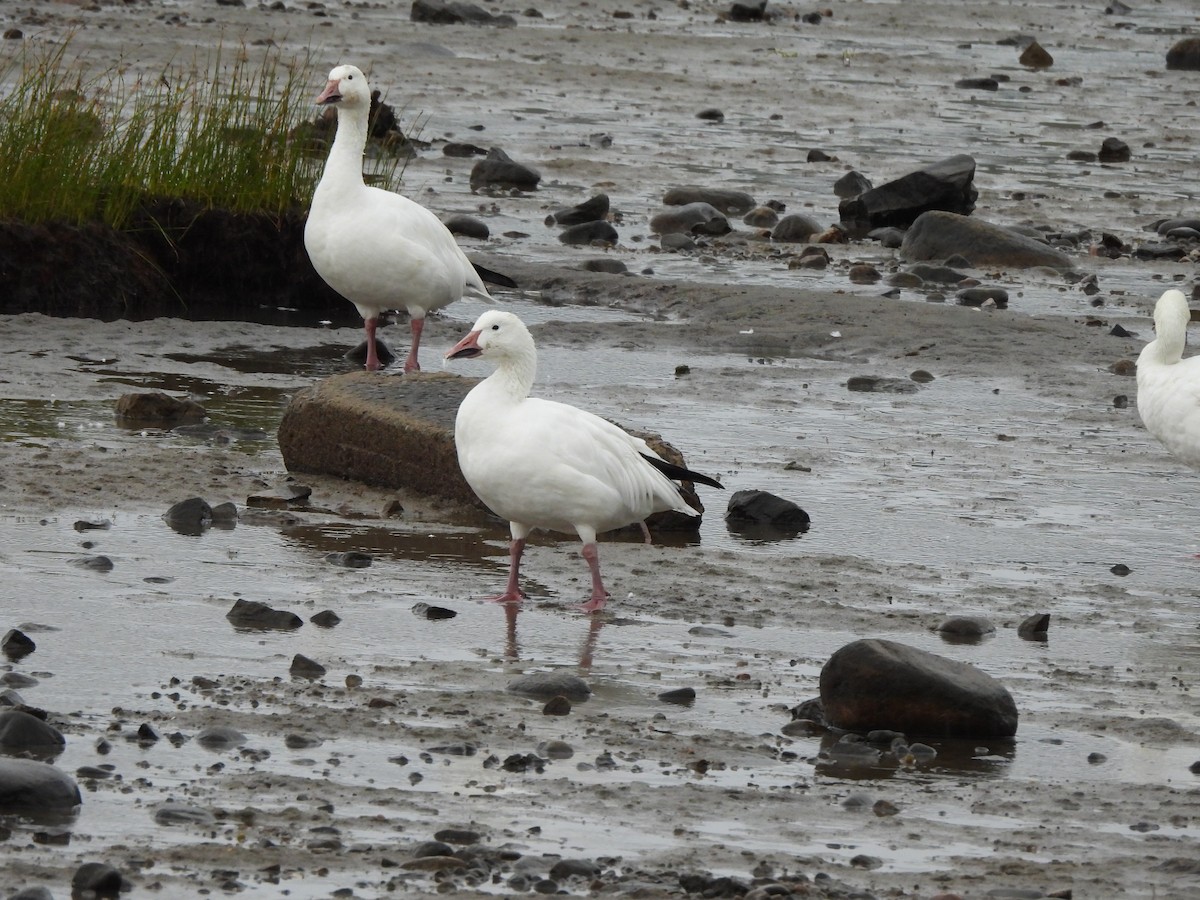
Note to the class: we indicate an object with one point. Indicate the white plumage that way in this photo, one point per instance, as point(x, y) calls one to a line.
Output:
point(378, 249)
point(1168, 396)
point(542, 464)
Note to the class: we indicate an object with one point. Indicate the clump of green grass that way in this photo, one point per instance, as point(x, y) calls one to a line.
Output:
point(220, 132)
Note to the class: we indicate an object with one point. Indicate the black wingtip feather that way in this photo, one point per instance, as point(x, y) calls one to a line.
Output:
point(679, 473)
point(493, 277)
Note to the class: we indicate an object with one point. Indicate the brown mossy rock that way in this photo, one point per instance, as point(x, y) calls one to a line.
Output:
point(157, 409)
point(876, 684)
point(398, 432)
point(938, 235)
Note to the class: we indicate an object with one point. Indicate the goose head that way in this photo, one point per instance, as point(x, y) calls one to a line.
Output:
point(1171, 314)
point(347, 86)
point(496, 335)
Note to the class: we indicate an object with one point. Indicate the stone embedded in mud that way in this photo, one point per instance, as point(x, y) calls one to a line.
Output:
point(594, 209)
point(1035, 56)
point(303, 667)
point(1114, 150)
point(350, 559)
point(693, 218)
point(557, 706)
point(183, 814)
point(456, 12)
point(937, 235)
point(729, 202)
point(157, 409)
point(1035, 627)
point(965, 629)
point(16, 644)
point(25, 734)
point(872, 684)
point(1185, 55)
point(468, 226)
point(547, 685)
point(685, 696)
point(598, 232)
point(189, 517)
point(851, 185)
point(427, 611)
point(29, 785)
point(95, 879)
point(944, 185)
point(499, 171)
point(252, 614)
point(795, 228)
point(219, 737)
point(764, 516)
point(983, 296)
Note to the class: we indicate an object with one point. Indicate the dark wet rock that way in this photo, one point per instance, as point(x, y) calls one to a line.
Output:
point(760, 515)
point(94, 563)
point(1113, 150)
point(691, 218)
point(729, 202)
point(920, 376)
point(591, 210)
point(937, 274)
point(557, 706)
point(965, 629)
point(983, 83)
point(183, 814)
point(1121, 570)
point(94, 525)
point(301, 742)
point(462, 150)
point(851, 185)
point(752, 11)
point(455, 12)
point(523, 762)
point(189, 516)
point(146, 735)
point(574, 868)
point(872, 683)
point(705, 885)
point(101, 879)
point(460, 836)
point(157, 410)
point(1159, 251)
point(863, 273)
point(1035, 56)
point(10, 699)
point(676, 241)
point(285, 495)
point(597, 232)
point(432, 848)
point(498, 170)
point(711, 114)
point(1185, 54)
point(946, 185)
point(761, 217)
point(399, 433)
point(795, 228)
point(938, 235)
point(605, 264)
point(225, 514)
point(547, 685)
point(1035, 627)
point(810, 258)
point(254, 614)
point(679, 696)
point(27, 785)
point(434, 864)
point(468, 226)
point(303, 667)
point(983, 296)
point(555, 750)
point(16, 644)
point(24, 734)
point(878, 384)
point(17, 680)
point(220, 737)
point(350, 559)
point(31, 893)
point(428, 611)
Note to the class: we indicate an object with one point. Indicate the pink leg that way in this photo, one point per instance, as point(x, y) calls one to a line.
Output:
point(599, 594)
point(512, 592)
point(646, 532)
point(369, 325)
point(411, 364)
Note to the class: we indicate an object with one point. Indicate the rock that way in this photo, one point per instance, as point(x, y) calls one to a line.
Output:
point(945, 185)
point(461, 150)
point(1185, 54)
point(795, 228)
point(605, 264)
point(183, 814)
point(761, 217)
point(157, 410)
point(760, 515)
point(326, 618)
point(468, 226)
point(453, 12)
point(31, 893)
point(593, 209)
point(1113, 150)
point(676, 241)
point(878, 384)
point(547, 685)
point(433, 613)
point(810, 258)
point(965, 629)
point(24, 734)
point(189, 517)
point(870, 684)
point(937, 274)
point(557, 706)
point(729, 202)
point(1035, 56)
point(862, 273)
point(748, 11)
point(937, 235)
point(1035, 627)
point(574, 868)
point(303, 667)
point(16, 644)
point(350, 559)
point(595, 232)
point(27, 785)
point(101, 879)
point(711, 115)
point(254, 615)
point(220, 737)
point(692, 218)
point(679, 696)
point(978, 84)
point(555, 749)
point(983, 296)
point(497, 170)
point(851, 185)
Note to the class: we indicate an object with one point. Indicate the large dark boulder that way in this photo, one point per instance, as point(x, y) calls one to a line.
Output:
point(941, 235)
point(453, 12)
point(27, 786)
point(730, 202)
point(498, 170)
point(877, 684)
point(22, 734)
point(1185, 54)
point(946, 185)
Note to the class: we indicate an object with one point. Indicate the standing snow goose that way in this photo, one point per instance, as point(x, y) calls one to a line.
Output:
point(1168, 395)
point(542, 464)
point(378, 249)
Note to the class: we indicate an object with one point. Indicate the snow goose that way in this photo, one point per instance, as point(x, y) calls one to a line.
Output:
point(1168, 395)
point(378, 249)
point(542, 464)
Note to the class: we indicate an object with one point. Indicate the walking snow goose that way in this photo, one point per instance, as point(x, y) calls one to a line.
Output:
point(542, 464)
point(378, 249)
point(1168, 395)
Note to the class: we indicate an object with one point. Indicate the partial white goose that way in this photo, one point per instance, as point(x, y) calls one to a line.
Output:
point(378, 249)
point(1168, 395)
point(542, 464)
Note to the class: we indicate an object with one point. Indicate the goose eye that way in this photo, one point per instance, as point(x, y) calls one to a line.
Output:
point(495, 328)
